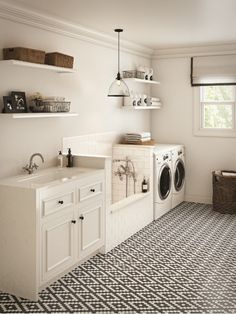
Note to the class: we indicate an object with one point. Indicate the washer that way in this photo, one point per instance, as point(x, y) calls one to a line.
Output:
point(178, 179)
point(162, 181)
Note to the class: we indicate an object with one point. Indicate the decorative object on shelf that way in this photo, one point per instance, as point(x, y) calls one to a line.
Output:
point(142, 73)
point(134, 74)
point(59, 59)
point(8, 106)
point(24, 54)
point(49, 104)
point(118, 88)
point(155, 102)
point(15, 103)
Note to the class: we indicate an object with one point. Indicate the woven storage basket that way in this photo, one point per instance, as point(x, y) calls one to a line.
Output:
point(24, 54)
point(59, 59)
point(224, 192)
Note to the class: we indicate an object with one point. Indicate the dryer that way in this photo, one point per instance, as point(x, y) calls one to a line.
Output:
point(178, 179)
point(162, 182)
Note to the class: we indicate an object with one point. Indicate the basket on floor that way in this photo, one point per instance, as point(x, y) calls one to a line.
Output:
point(224, 191)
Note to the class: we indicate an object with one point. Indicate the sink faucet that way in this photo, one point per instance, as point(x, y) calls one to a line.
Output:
point(126, 171)
point(32, 165)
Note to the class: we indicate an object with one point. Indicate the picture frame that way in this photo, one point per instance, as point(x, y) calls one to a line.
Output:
point(8, 105)
point(19, 101)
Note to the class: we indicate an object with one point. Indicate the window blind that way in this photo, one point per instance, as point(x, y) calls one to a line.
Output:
point(213, 70)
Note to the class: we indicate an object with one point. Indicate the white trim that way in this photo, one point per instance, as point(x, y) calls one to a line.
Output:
point(181, 52)
point(205, 199)
point(49, 23)
point(197, 120)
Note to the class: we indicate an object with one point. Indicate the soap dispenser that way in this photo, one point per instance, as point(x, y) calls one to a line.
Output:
point(144, 185)
point(69, 159)
point(60, 160)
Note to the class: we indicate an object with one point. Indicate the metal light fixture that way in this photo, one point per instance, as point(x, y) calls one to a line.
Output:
point(118, 88)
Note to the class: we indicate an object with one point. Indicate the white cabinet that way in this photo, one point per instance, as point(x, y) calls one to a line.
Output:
point(72, 224)
point(90, 229)
point(57, 245)
point(41, 233)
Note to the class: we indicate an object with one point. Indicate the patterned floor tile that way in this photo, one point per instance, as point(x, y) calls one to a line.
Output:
point(182, 263)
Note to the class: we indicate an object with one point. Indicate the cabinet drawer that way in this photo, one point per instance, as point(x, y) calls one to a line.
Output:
point(89, 191)
point(55, 203)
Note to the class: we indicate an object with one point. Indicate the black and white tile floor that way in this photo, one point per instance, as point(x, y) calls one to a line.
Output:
point(184, 262)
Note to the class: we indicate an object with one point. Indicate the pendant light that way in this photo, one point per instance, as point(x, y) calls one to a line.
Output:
point(118, 88)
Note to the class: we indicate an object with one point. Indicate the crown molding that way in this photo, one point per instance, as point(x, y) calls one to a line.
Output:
point(12, 12)
point(229, 48)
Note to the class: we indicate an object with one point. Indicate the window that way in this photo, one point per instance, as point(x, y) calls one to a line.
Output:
point(214, 112)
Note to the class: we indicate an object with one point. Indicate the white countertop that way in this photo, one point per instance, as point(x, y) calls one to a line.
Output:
point(49, 177)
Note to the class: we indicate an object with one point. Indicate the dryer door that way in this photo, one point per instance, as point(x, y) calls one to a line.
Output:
point(179, 175)
point(164, 182)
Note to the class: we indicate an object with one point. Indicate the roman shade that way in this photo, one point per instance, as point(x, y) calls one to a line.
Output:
point(213, 70)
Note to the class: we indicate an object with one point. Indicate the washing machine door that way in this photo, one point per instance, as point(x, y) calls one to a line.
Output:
point(179, 175)
point(164, 182)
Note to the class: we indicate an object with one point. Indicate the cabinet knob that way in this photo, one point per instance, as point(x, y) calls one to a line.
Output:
point(92, 190)
point(81, 217)
point(61, 202)
point(73, 221)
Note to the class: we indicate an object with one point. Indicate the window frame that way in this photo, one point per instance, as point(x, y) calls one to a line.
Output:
point(198, 116)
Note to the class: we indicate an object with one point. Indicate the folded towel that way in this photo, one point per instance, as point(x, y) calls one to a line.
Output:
point(140, 134)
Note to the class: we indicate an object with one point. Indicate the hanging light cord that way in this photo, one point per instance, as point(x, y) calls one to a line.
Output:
point(118, 30)
point(118, 52)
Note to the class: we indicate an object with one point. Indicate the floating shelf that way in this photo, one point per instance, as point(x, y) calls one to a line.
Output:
point(132, 79)
point(30, 115)
point(142, 107)
point(38, 65)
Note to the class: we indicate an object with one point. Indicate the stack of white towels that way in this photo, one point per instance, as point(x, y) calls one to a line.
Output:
point(139, 137)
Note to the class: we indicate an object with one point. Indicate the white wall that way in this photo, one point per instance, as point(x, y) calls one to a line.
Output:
point(87, 89)
point(174, 124)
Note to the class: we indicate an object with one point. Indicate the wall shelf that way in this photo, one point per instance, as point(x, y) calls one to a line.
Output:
point(38, 66)
point(29, 115)
point(133, 79)
point(142, 107)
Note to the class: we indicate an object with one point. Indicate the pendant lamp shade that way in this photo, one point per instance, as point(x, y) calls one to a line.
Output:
point(118, 88)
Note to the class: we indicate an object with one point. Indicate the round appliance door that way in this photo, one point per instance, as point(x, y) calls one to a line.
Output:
point(179, 175)
point(164, 182)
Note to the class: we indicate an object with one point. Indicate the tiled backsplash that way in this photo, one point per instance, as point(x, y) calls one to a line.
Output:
point(92, 144)
point(142, 158)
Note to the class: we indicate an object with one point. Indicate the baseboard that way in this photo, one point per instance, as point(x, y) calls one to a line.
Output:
point(205, 199)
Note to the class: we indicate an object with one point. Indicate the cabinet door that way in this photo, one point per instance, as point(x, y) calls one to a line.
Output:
point(57, 245)
point(91, 229)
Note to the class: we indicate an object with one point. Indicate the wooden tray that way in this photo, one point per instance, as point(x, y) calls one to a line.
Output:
point(147, 143)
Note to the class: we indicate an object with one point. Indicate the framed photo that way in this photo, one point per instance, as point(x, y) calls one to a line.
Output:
point(19, 101)
point(8, 106)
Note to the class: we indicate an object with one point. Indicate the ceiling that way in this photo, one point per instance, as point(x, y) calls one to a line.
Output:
point(153, 23)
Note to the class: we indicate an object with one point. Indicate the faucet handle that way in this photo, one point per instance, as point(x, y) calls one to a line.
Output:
point(35, 166)
point(26, 168)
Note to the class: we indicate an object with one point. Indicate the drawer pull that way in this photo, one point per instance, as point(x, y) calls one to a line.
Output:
point(81, 217)
point(61, 202)
point(73, 221)
point(92, 190)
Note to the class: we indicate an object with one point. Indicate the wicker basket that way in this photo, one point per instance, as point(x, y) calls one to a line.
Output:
point(224, 192)
point(59, 59)
point(134, 74)
point(24, 54)
point(51, 106)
